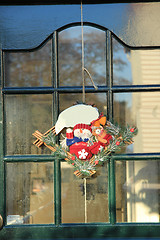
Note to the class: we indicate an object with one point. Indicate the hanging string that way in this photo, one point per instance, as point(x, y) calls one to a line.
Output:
point(85, 203)
point(83, 80)
point(83, 99)
point(83, 68)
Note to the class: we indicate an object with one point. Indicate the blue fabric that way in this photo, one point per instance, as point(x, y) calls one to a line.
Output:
point(69, 142)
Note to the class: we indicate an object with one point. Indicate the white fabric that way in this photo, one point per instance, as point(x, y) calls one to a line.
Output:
point(79, 113)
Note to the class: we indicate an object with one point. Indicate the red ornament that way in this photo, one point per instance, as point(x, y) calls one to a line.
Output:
point(132, 130)
point(117, 143)
point(96, 162)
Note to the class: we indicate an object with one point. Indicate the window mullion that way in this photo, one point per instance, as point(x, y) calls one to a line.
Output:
point(2, 208)
point(57, 168)
point(111, 183)
point(1, 151)
point(111, 191)
point(109, 76)
point(55, 76)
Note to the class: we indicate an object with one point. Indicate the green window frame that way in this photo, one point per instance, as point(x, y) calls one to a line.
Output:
point(58, 229)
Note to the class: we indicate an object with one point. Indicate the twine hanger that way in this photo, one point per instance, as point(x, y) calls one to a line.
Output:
point(83, 67)
point(83, 99)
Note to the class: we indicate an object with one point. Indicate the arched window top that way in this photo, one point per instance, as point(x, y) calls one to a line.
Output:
point(70, 55)
point(26, 27)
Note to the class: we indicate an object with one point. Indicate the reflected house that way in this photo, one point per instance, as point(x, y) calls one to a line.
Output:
point(143, 182)
point(146, 71)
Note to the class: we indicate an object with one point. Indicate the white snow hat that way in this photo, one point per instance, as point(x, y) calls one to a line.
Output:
point(79, 113)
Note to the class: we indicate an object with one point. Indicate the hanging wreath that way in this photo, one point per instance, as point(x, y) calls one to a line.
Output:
point(90, 139)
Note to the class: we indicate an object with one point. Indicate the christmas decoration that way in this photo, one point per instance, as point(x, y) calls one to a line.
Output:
point(90, 139)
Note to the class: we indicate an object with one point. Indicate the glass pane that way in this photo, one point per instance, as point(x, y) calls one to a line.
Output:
point(28, 69)
point(24, 115)
point(135, 66)
point(143, 111)
point(73, 196)
point(70, 56)
point(99, 99)
point(29, 193)
point(137, 191)
point(122, 68)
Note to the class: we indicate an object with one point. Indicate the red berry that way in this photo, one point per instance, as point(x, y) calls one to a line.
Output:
point(132, 129)
point(117, 143)
point(96, 162)
point(72, 163)
point(73, 158)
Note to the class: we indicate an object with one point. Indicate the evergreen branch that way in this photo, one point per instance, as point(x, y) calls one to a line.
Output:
point(120, 138)
point(112, 129)
point(50, 139)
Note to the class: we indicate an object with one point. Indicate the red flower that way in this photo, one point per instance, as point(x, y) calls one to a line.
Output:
point(117, 143)
point(96, 162)
point(73, 158)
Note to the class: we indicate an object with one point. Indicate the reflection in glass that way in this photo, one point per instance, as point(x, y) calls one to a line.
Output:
point(28, 69)
point(24, 115)
point(137, 67)
point(73, 196)
point(142, 110)
point(70, 56)
point(122, 69)
point(29, 193)
point(145, 66)
point(137, 191)
point(98, 99)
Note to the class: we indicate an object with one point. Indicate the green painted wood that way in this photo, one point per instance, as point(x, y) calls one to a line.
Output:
point(48, 158)
point(2, 205)
point(111, 180)
point(29, 158)
point(109, 72)
point(76, 89)
point(57, 192)
point(57, 163)
point(26, 27)
point(112, 195)
point(95, 231)
point(55, 77)
point(18, 31)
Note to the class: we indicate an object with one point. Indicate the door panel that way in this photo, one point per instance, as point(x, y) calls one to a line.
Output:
point(30, 193)
point(41, 197)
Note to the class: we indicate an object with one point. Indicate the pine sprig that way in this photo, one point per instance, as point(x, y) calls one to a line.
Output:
point(120, 138)
point(84, 167)
point(112, 129)
point(60, 153)
point(101, 157)
point(50, 139)
point(128, 135)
